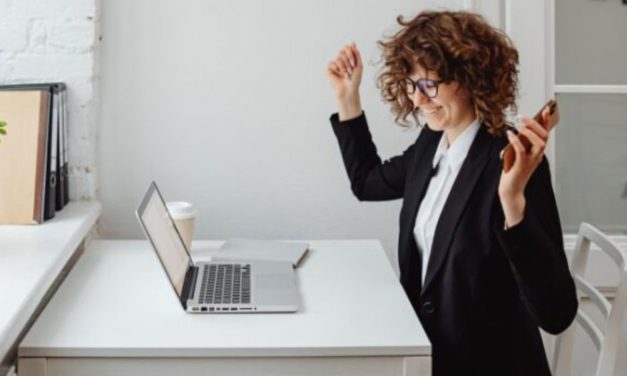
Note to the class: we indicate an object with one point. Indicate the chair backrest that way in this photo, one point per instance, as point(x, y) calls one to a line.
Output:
point(606, 340)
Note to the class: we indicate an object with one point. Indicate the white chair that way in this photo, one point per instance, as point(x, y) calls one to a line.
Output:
point(606, 341)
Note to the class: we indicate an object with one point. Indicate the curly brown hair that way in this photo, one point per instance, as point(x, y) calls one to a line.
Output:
point(460, 46)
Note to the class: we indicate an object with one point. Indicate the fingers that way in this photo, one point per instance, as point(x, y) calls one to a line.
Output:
point(533, 125)
point(524, 157)
point(349, 57)
point(346, 61)
point(537, 143)
point(354, 55)
point(342, 62)
point(519, 148)
point(334, 68)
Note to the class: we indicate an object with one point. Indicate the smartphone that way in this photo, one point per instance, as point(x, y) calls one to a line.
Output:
point(508, 154)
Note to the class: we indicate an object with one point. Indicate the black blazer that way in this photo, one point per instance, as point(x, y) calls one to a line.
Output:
point(487, 289)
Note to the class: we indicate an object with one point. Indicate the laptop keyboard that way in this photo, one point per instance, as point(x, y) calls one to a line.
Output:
point(225, 284)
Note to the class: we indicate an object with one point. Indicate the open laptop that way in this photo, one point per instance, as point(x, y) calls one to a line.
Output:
point(215, 287)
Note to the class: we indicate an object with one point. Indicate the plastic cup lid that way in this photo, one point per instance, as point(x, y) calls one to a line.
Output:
point(181, 210)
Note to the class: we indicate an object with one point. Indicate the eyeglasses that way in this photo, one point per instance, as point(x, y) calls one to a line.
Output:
point(427, 87)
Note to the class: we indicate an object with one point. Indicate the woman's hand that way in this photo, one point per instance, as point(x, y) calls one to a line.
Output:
point(512, 184)
point(345, 73)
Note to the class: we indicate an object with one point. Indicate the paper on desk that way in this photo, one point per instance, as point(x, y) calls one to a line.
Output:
point(263, 250)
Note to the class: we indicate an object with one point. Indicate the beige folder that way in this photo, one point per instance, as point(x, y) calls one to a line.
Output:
point(23, 155)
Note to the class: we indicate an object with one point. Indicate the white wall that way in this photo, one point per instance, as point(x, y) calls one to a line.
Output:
point(47, 41)
point(226, 104)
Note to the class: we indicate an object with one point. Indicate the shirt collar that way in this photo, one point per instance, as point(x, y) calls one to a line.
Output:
point(457, 152)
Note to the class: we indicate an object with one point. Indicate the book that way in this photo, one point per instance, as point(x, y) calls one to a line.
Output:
point(50, 185)
point(60, 116)
point(56, 183)
point(65, 181)
point(23, 155)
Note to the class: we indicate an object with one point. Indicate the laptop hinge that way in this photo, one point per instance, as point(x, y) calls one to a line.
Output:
point(189, 285)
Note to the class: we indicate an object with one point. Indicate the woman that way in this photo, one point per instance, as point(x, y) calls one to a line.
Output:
point(480, 250)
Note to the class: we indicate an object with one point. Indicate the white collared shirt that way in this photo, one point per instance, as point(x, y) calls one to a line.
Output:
point(450, 160)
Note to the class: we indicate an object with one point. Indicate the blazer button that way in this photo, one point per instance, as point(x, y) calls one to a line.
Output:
point(427, 307)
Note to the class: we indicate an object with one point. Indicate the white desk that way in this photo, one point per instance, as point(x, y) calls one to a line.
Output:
point(31, 259)
point(117, 314)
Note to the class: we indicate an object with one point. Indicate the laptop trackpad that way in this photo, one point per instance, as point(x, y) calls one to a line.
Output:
point(273, 281)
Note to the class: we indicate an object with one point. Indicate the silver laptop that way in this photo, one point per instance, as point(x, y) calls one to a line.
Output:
point(215, 287)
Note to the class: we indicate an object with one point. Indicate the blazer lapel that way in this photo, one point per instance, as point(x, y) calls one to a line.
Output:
point(456, 202)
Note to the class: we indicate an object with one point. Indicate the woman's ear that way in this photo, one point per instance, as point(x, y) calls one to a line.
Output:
point(461, 91)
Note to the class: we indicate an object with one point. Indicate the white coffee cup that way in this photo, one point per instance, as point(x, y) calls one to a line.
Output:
point(183, 214)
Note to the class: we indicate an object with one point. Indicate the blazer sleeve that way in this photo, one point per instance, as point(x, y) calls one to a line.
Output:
point(535, 250)
point(371, 180)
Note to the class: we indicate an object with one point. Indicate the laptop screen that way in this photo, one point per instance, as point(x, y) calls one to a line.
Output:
point(162, 233)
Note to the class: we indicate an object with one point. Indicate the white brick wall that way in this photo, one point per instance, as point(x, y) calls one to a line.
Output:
point(56, 40)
